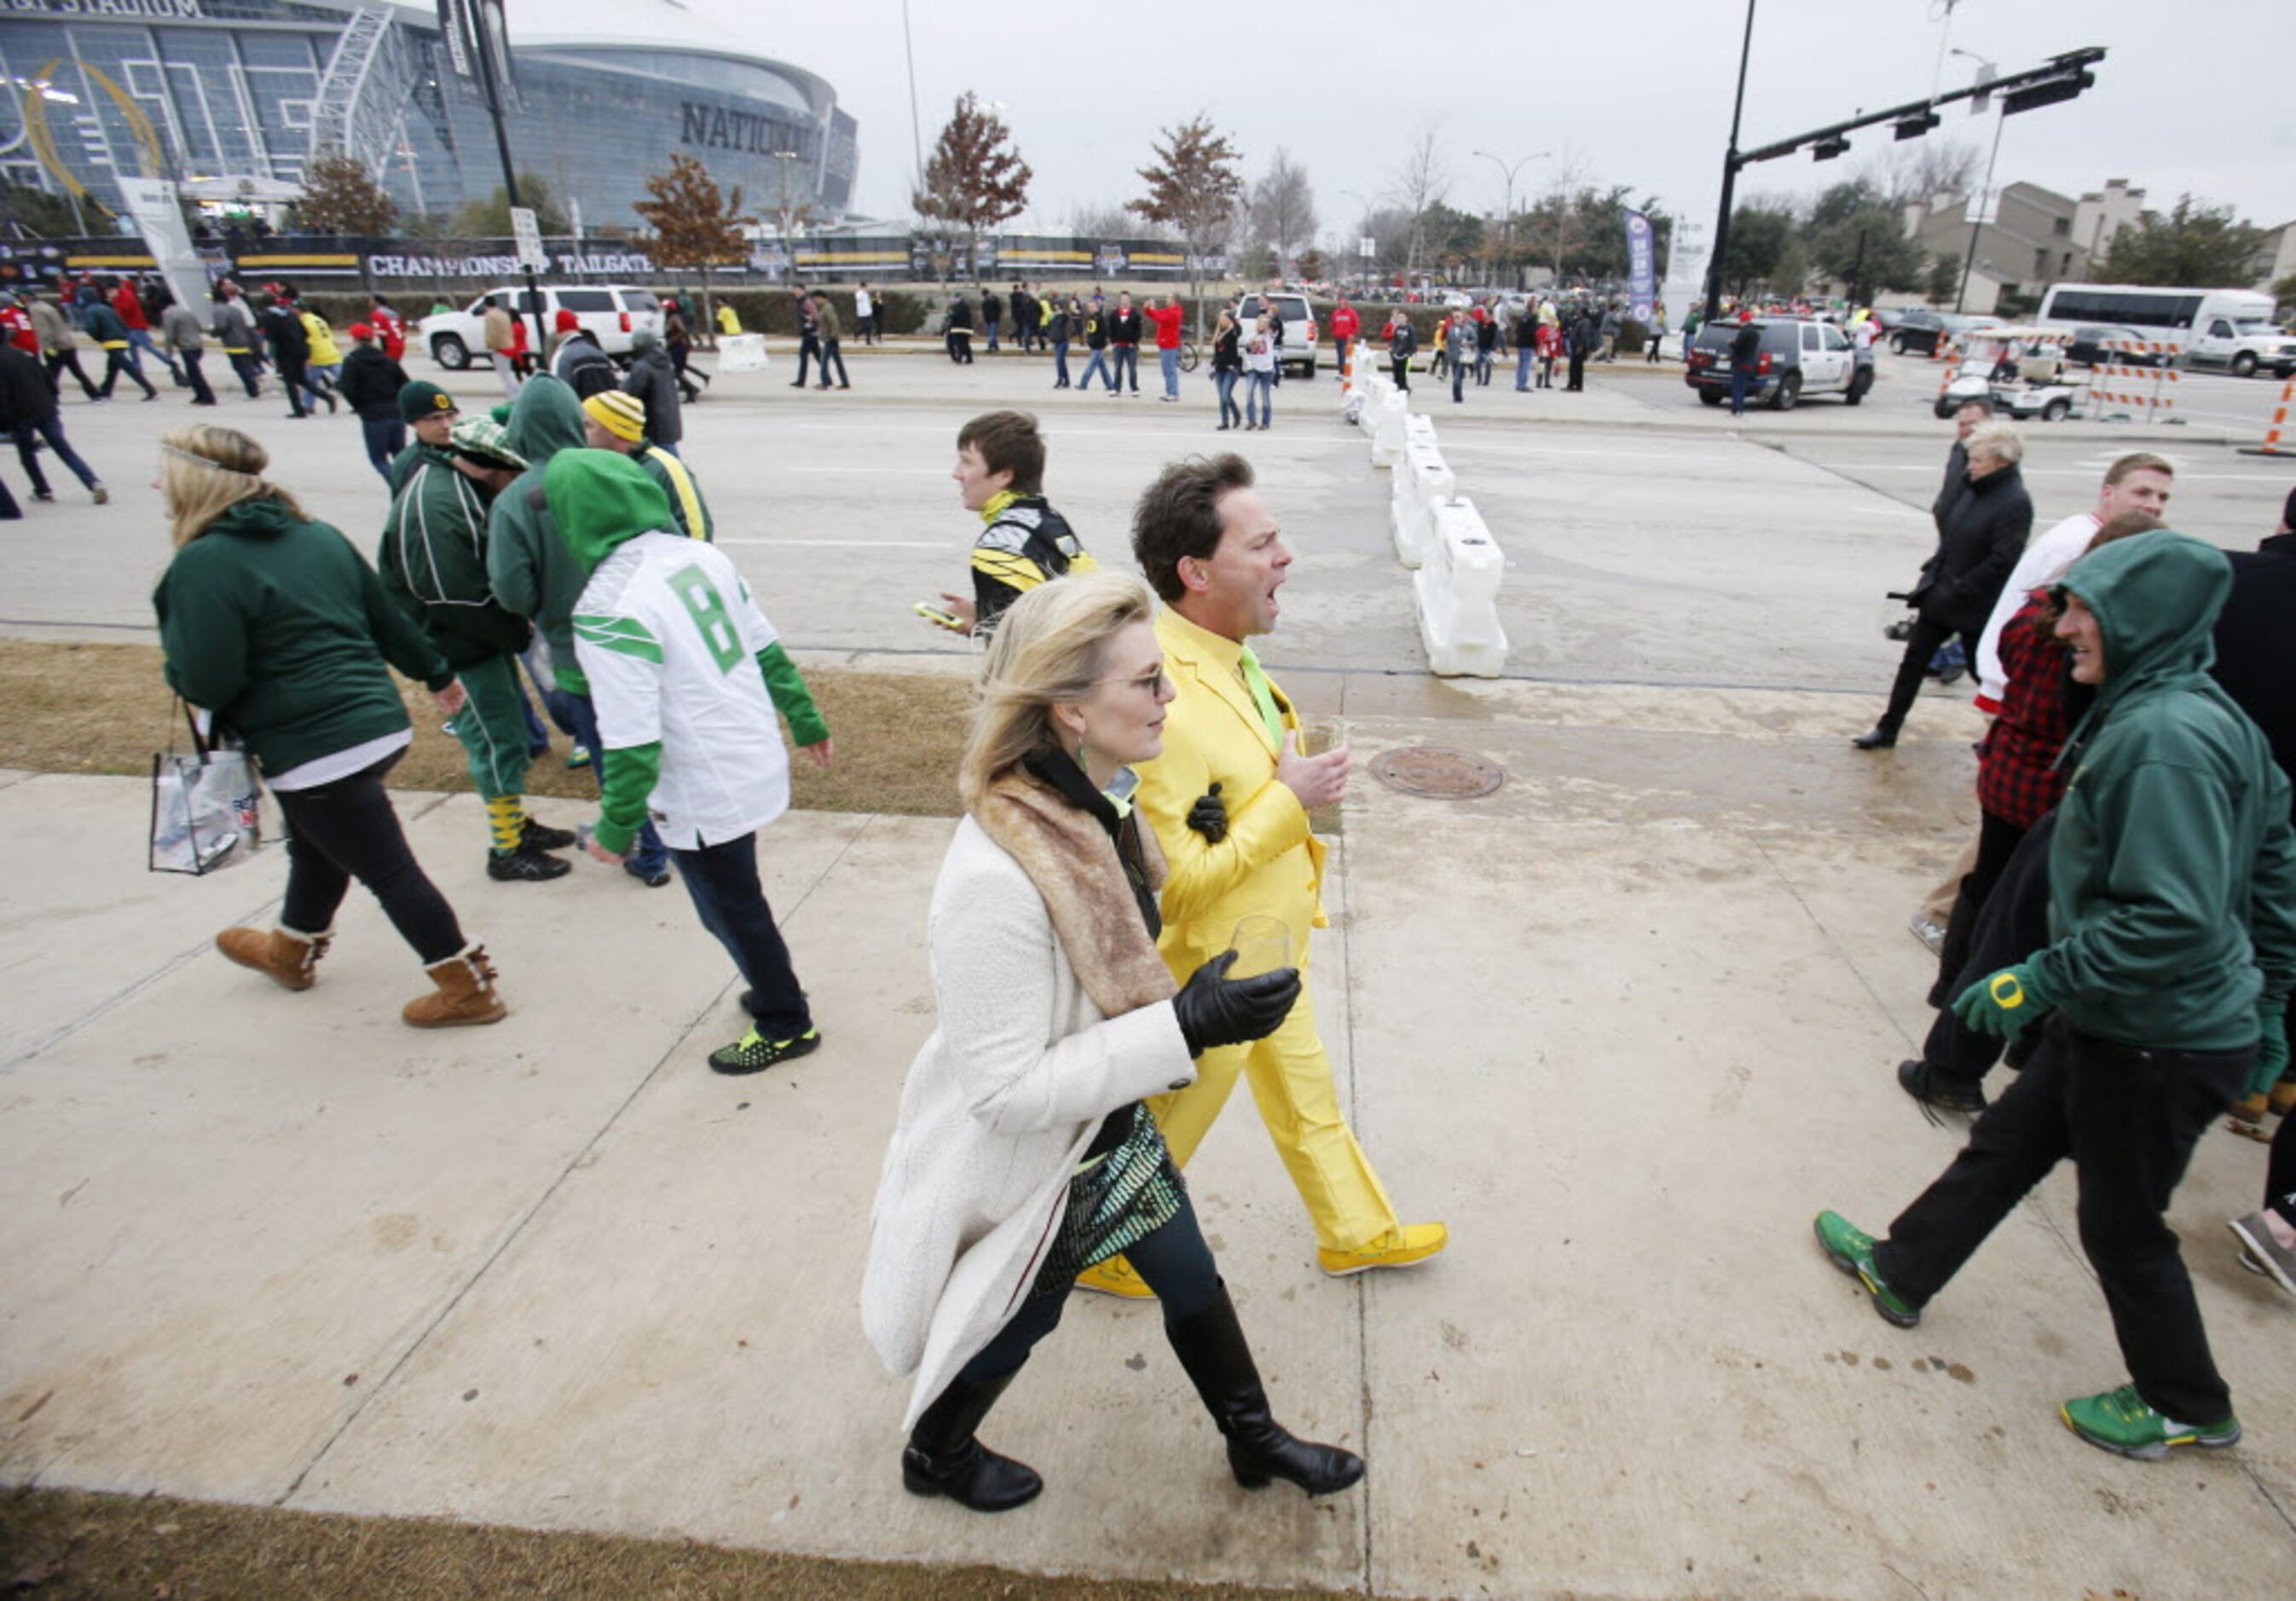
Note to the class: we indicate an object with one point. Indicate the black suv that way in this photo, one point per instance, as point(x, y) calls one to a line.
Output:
point(1800, 356)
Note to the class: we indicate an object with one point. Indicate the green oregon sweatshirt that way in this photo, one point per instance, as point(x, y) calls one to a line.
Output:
point(531, 571)
point(280, 628)
point(2172, 872)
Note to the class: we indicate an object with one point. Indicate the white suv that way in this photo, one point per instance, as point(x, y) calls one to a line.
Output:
point(2241, 348)
point(611, 312)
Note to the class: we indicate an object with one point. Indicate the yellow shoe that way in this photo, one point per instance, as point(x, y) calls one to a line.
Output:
point(1116, 1277)
point(1403, 1247)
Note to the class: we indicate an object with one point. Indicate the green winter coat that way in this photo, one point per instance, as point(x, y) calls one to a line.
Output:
point(529, 567)
point(277, 625)
point(2172, 871)
point(433, 560)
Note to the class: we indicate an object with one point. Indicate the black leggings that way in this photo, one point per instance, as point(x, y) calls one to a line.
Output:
point(1175, 1262)
point(347, 830)
point(1996, 843)
point(1922, 643)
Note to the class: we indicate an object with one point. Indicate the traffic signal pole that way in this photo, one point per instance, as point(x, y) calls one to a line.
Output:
point(490, 74)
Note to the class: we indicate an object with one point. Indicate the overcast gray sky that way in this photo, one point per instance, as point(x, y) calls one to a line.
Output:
point(2192, 96)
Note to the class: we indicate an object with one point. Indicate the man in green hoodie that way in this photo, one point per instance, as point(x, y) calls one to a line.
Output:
point(687, 676)
point(433, 561)
point(535, 575)
point(2172, 922)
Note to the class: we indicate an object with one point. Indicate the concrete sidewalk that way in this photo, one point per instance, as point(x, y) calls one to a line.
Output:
point(1627, 1024)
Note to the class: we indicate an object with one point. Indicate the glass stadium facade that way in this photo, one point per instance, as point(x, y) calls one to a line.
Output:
point(230, 97)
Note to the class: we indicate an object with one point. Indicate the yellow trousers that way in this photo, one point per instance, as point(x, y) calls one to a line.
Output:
point(1291, 1081)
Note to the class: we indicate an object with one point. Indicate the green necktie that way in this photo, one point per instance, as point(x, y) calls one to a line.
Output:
point(1263, 697)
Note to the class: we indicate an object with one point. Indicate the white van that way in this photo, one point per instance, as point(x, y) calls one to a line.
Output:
point(611, 312)
point(2230, 328)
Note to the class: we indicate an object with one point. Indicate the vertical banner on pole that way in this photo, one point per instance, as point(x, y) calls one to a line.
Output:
point(158, 217)
point(1642, 268)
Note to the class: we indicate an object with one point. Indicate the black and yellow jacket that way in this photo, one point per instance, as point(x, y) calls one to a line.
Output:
point(1025, 543)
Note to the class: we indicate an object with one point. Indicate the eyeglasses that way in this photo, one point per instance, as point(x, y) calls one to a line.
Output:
point(1148, 684)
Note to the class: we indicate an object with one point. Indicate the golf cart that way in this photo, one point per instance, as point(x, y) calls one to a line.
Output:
point(2021, 370)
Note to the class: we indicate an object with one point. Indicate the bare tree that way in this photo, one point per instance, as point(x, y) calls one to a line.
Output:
point(1111, 220)
point(975, 178)
point(1925, 168)
point(1283, 207)
point(1421, 183)
point(1553, 228)
point(1194, 189)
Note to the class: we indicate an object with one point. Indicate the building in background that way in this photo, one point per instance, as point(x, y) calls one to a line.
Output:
point(2025, 245)
point(2102, 213)
point(230, 98)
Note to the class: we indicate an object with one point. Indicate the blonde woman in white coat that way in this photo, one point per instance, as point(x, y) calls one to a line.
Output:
point(1023, 1153)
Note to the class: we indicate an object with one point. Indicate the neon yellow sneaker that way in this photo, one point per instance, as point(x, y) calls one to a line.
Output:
point(1405, 1247)
point(1115, 1278)
point(2119, 1421)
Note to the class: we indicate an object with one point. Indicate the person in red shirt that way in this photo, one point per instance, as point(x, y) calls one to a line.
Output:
point(129, 305)
point(1167, 319)
point(16, 325)
point(389, 327)
point(1345, 325)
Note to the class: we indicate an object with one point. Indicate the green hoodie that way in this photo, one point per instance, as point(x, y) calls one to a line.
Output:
point(277, 625)
point(600, 499)
point(2172, 872)
point(529, 566)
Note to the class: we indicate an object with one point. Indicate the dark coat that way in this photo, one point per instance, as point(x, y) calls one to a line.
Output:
point(2256, 649)
point(25, 400)
point(1984, 535)
point(370, 383)
point(1957, 463)
point(655, 381)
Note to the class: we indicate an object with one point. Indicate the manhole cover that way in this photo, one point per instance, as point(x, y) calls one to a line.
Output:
point(1438, 773)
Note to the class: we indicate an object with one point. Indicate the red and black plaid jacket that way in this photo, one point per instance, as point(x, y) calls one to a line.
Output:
point(2017, 780)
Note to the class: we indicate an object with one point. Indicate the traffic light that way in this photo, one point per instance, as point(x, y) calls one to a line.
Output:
point(1916, 125)
point(1825, 149)
point(2047, 91)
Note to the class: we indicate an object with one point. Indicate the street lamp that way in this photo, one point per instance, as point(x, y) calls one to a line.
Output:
point(1506, 203)
point(1986, 73)
point(1363, 229)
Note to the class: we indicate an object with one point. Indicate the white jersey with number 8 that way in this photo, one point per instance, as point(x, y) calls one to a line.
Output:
point(668, 636)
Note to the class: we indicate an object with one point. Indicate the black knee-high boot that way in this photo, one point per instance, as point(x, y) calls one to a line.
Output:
point(1210, 1345)
point(944, 1460)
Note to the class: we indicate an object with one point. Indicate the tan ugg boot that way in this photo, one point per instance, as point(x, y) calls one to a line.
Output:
point(286, 956)
point(466, 994)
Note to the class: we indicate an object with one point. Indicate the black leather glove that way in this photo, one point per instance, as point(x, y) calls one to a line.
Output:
point(1215, 1010)
point(1208, 816)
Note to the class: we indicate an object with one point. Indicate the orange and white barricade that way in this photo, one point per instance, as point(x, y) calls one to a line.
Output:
point(2271, 445)
point(2118, 383)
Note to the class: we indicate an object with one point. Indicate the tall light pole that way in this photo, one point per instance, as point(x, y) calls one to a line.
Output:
point(1363, 223)
point(1506, 202)
point(1986, 72)
point(1729, 178)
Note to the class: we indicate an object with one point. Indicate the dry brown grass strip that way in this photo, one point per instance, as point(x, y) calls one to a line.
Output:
point(60, 1545)
point(104, 709)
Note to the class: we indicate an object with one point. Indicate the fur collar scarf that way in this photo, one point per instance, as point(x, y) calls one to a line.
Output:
point(1067, 855)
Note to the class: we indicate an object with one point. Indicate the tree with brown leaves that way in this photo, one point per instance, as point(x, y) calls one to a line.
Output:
point(975, 179)
point(340, 197)
point(695, 223)
point(1194, 189)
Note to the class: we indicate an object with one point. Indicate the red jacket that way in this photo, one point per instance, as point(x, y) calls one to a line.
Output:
point(1345, 322)
point(130, 306)
point(18, 324)
point(1167, 320)
point(2018, 780)
point(392, 327)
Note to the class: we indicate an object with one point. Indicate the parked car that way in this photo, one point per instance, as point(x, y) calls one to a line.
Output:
point(1919, 330)
point(1299, 329)
point(2086, 349)
point(1800, 356)
point(611, 312)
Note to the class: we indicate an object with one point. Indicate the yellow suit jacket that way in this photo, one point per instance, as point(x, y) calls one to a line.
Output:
point(1270, 862)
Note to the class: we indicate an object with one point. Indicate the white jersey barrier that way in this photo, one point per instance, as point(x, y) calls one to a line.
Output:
point(1422, 482)
point(1458, 595)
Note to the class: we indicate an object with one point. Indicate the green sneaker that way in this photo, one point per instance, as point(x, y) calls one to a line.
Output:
point(754, 1052)
point(2120, 1421)
point(1852, 1250)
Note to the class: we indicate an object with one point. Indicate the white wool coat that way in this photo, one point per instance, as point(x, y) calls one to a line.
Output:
point(999, 1106)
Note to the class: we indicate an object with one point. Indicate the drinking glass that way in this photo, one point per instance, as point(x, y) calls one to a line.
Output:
point(1262, 943)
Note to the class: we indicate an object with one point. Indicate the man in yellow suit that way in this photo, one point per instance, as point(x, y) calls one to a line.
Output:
point(1228, 799)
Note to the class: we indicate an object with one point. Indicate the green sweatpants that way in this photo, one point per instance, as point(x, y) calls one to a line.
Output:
point(493, 727)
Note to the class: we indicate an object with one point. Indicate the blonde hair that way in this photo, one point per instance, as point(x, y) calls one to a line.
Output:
point(1049, 650)
point(1998, 441)
point(205, 471)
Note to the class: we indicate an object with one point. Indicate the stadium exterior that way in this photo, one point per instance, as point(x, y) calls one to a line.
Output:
point(230, 97)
